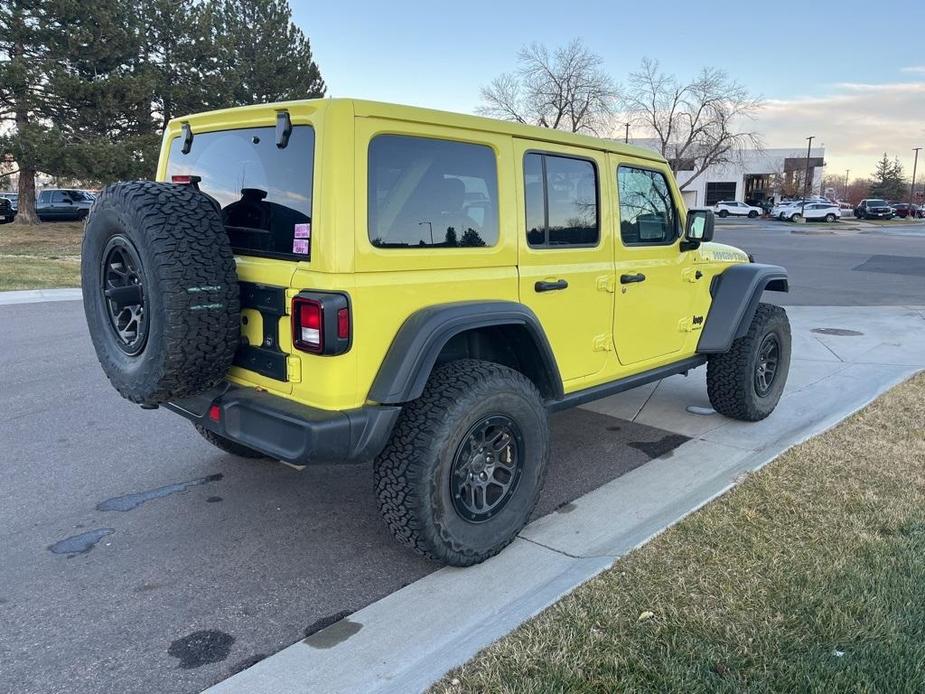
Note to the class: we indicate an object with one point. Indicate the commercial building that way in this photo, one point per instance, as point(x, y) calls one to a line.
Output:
point(753, 177)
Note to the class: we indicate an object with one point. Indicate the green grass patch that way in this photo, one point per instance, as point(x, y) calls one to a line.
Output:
point(41, 256)
point(809, 576)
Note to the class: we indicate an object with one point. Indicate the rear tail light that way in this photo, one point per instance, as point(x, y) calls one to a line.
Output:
point(307, 315)
point(321, 323)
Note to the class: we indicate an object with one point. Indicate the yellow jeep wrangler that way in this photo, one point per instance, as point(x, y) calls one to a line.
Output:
point(340, 280)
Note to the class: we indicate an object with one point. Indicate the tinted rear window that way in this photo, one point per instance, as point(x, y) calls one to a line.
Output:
point(263, 191)
point(431, 193)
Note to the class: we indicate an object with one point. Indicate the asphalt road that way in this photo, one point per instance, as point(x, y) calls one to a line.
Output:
point(203, 563)
point(882, 266)
point(196, 563)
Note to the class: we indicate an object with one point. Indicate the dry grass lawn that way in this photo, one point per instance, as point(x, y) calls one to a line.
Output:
point(809, 576)
point(41, 256)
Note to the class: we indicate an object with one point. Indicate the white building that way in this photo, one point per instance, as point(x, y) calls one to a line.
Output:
point(755, 176)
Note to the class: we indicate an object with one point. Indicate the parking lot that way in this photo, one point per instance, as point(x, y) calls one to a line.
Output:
point(181, 565)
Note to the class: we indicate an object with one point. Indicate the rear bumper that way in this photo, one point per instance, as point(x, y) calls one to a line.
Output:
point(287, 430)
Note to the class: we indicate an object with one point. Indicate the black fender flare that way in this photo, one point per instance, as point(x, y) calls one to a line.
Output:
point(736, 294)
point(418, 343)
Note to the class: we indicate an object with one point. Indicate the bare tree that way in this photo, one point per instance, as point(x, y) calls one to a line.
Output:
point(697, 124)
point(566, 89)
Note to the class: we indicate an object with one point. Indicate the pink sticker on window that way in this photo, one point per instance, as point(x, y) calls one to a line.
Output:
point(300, 246)
point(302, 231)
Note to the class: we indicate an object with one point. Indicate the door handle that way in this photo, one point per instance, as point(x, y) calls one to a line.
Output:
point(629, 279)
point(550, 286)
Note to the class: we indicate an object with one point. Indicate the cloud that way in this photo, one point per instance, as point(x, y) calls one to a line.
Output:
point(856, 122)
point(915, 69)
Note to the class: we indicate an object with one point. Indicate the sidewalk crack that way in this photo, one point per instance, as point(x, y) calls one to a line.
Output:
point(834, 354)
point(566, 554)
point(643, 406)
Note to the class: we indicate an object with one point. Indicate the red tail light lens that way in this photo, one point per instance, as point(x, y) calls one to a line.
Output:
point(321, 322)
point(215, 413)
point(309, 328)
point(343, 324)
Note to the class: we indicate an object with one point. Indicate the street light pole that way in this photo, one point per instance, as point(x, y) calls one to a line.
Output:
point(847, 171)
point(626, 138)
point(915, 164)
point(809, 148)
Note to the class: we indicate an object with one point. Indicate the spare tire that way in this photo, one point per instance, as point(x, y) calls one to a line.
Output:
point(160, 291)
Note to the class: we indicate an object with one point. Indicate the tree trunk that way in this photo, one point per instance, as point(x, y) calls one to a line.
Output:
point(26, 213)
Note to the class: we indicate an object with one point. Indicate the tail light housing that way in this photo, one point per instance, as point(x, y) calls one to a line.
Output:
point(321, 323)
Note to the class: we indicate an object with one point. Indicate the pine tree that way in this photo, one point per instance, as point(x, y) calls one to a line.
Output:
point(24, 63)
point(262, 55)
point(889, 179)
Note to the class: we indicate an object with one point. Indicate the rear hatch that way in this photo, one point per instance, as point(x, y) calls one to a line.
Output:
point(261, 179)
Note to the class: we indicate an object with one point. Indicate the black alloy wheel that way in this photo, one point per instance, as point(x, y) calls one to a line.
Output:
point(766, 364)
point(486, 468)
point(123, 287)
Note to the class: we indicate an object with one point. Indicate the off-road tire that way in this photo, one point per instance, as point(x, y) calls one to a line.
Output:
point(190, 293)
point(731, 376)
point(228, 445)
point(412, 473)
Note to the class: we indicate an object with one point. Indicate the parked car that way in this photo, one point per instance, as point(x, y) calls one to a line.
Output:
point(815, 211)
point(873, 208)
point(338, 342)
point(725, 208)
point(13, 198)
point(7, 213)
point(59, 204)
point(780, 209)
point(905, 209)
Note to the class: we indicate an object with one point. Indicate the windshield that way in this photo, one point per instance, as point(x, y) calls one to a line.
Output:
point(877, 203)
point(264, 192)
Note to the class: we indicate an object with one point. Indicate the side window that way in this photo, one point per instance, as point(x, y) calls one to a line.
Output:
point(431, 193)
point(58, 197)
point(647, 214)
point(560, 201)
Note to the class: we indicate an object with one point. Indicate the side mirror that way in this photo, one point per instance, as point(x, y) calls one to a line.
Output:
point(698, 229)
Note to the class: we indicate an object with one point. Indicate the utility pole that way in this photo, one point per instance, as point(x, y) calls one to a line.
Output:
point(915, 164)
point(626, 138)
point(809, 148)
point(847, 171)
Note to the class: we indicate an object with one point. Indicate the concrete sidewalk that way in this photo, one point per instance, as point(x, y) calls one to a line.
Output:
point(844, 357)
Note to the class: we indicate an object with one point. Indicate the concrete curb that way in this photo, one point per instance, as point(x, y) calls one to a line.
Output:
point(409, 639)
point(34, 296)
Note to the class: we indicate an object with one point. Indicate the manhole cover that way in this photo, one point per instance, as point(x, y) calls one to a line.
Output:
point(837, 331)
point(697, 409)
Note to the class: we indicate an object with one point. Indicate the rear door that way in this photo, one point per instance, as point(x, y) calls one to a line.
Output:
point(565, 258)
point(654, 294)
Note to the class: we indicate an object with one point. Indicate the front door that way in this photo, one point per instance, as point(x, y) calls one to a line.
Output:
point(653, 276)
point(565, 255)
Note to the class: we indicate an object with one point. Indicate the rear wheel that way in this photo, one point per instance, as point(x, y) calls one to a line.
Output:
point(747, 381)
point(466, 462)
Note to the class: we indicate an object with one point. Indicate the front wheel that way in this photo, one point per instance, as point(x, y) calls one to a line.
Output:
point(747, 381)
point(465, 465)
point(752, 214)
point(797, 217)
point(830, 218)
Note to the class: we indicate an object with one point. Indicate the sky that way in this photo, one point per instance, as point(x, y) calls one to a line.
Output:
point(850, 73)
